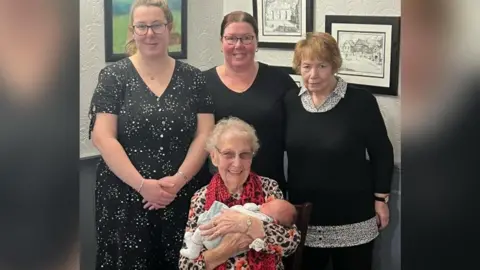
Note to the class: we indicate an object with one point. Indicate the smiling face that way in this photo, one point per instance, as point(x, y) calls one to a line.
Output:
point(233, 157)
point(239, 44)
point(151, 30)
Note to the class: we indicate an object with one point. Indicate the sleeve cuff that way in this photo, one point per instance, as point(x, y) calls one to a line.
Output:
point(257, 245)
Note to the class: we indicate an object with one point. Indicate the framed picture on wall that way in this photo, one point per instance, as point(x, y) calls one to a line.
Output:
point(281, 23)
point(370, 49)
point(116, 28)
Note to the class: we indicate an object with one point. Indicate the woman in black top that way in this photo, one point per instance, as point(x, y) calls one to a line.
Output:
point(252, 91)
point(330, 128)
point(151, 116)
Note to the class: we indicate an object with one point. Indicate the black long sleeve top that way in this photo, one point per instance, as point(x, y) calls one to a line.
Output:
point(327, 157)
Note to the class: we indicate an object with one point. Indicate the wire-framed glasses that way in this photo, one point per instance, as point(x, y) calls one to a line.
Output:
point(245, 40)
point(230, 155)
point(142, 29)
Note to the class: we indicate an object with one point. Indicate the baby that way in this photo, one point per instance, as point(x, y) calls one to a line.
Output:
point(277, 210)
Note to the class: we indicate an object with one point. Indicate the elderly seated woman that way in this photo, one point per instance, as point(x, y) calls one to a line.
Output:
point(232, 146)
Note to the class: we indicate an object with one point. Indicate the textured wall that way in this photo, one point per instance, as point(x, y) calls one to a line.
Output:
point(390, 106)
point(203, 49)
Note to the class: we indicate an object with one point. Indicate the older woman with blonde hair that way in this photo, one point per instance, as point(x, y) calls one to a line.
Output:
point(151, 115)
point(330, 128)
point(232, 146)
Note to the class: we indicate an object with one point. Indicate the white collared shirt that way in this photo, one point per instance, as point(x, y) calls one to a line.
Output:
point(332, 100)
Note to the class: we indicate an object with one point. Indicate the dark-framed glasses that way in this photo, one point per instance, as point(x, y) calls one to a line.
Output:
point(245, 40)
point(142, 29)
point(230, 155)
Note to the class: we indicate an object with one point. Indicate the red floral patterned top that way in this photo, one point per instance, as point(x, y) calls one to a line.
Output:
point(279, 240)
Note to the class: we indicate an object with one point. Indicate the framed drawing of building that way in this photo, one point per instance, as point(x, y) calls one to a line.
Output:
point(281, 23)
point(117, 22)
point(370, 49)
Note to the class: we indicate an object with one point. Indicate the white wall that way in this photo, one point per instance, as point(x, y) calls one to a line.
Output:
point(390, 106)
point(203, 50)
point(204, 18)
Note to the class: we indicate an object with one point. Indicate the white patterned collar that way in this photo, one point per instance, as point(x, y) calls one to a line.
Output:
point(332, 100)
point(340, 88)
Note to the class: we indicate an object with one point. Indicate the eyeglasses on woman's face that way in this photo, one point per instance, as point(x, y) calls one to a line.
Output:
point(245, 40)
point(141, 29)
point(230, 155)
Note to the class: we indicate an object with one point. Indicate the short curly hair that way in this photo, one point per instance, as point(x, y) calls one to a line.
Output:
point(319, 46)
point(235, 125)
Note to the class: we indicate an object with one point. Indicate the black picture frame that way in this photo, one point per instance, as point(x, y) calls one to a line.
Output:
point(112, 56)
point(390, 43)
point(290, 41)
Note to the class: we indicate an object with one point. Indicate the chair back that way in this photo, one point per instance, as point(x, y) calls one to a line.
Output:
point(294, 261)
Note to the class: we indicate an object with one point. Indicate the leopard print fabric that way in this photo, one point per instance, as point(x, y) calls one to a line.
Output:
point(279, 240)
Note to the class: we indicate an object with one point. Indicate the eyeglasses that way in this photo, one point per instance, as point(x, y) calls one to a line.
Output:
point(230, 155)
point(245, 40)
point(142, 29)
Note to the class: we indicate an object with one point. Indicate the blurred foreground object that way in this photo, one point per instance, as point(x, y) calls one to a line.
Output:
point(440, 133)
point(39, 72)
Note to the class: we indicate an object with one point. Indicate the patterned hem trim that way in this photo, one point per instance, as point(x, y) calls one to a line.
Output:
point(339, 245)
point(343, 235)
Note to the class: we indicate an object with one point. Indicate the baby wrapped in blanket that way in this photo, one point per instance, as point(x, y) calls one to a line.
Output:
point(276, 210)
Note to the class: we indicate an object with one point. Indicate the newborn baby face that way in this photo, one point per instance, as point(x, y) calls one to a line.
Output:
point(281, 210)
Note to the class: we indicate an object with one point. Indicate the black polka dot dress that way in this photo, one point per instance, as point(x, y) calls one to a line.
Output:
point(156, 132)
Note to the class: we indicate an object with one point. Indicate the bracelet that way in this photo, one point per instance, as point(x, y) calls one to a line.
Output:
point(183, 175)
point(249, 224)
point(141, 185)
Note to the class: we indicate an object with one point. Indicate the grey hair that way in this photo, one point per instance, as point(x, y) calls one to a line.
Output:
point(236, 125)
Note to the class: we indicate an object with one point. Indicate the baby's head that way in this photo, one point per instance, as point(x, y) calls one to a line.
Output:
point(280, 210)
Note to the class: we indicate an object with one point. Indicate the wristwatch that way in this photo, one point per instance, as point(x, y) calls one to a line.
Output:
point(382, 199)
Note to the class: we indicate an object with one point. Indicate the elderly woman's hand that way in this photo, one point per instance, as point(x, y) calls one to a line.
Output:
point(229, 221)
point(239, 242)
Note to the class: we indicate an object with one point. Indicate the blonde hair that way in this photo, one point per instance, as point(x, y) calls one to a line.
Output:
point(318, 46)
point(130, 46)
point(234, 125)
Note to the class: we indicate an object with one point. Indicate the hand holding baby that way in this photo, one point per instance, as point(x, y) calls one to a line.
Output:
point(229, 221)
point(235, 242)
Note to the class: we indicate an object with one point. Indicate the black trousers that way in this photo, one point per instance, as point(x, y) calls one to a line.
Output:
point(345, 258)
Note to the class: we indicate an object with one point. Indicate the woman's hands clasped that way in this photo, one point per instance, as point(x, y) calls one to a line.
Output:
point(169, 186)
point(229, 221)
point(157, 194)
